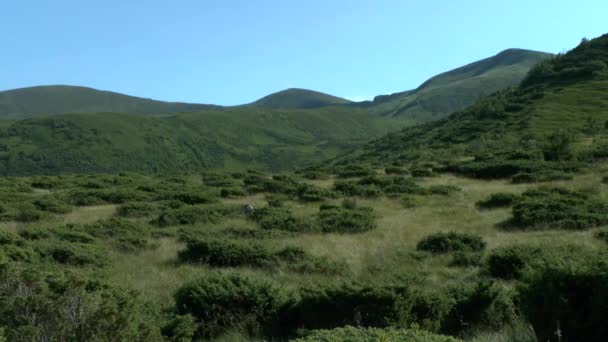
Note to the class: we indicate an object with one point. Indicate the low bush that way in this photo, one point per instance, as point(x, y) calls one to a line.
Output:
point(451, 242)
point(541, 176)
point(350, 333)
point(351, 171)
point(443, 189)
point(76, 254)
point(280, 218)
point(315, 175)
point(52, 204)
point(496, 168)
point(498, 200)
point(466, 259)
point(343, 220)
point(221, 302)
point(223, 253)
point(602, 235)
point(560, 208)
point(377, 306)
point(510, 262)
point(137, 209)
point(191, 214)
point(394, 170)
point(254, 233)
point(422, 172)
point(570, 296)
point(479, 304)
point(375, 186)
point(232, 192)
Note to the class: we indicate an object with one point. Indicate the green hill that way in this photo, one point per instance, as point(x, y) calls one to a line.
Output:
point(298, 98)
point(60, 99)
point(459, 88)
point(567, 92)
point(231, 139)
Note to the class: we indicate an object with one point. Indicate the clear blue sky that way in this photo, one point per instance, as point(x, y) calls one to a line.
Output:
point(235, 51)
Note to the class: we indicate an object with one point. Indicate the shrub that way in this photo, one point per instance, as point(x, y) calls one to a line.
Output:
point(602, 235)
point(394, 170)
point(189, 197)
point(560, 208)
point(479, 304)
point(254, 233)
point(315, 175)
point(374, 186)
point(422, 172)
point(378, 306)
point(541, 176)
point(350, 333)
point(52, 205)
point(497, 200)
point(343, 220)
point(231, 192)
point(191, 214)
point(570, 296)
point(223, 253)
point(136, 210)
point(466, 259)
point(221, 302)
point(510, 262)
point(280, 218)
point(76, 254)
point(450, 242)
point(350, 171)
point(443, 189)
point(29, 213)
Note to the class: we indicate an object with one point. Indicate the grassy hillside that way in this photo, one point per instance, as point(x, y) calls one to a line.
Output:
point(298, 98)
point(45, 100)
point(459, 88)
point(228, 139)
point(567, 92)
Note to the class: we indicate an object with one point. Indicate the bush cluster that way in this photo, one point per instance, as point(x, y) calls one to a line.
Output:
point(350, 333)
point(451, 242)
point(375, 186)
point(192, 214)
point(498, 200)
point(560, 208)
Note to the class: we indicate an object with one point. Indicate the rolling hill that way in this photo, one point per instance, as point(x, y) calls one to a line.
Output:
point(298, 99)
point(459, 88)
point(567, 92)
point(230, 139)
point(60, 99)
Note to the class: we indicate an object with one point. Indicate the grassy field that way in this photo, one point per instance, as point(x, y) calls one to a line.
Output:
point(386, 254)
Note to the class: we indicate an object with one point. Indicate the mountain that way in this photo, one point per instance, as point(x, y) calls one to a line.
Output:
point(60, 99)
point(298, 99)
point(459, 88)
point(563, 93)
point(230, 139)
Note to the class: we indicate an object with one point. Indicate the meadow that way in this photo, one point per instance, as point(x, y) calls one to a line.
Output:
point(428, 250)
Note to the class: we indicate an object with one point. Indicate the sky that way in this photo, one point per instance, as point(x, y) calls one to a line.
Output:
point(230, 52)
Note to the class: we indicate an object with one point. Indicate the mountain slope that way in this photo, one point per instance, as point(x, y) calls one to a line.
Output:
point(231, 139)
point(44, 100)
point(459, 88)
point(294, 98)
point(569, 91)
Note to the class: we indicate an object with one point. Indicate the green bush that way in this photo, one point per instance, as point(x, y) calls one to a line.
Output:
point(37, 306)
point(221, 302)
point(375, 186)
point(510, 262)
point(343, 220)
point(570, 296)
point(443, 189)
point(602, 235)
point(232, 192)
point(498, 200)
point(479, 304)
point(223, 253)
point(52, 205)
point(76, 254)
point(466, 259)
point(393, 170)
point(451, 242)
point(137, 209)
point(377, 306)
point(191, 214)
point(280, 218)
point(541, 176)
point(560, 208)
point(422, 172)
point(359, 334)
point(351, 171)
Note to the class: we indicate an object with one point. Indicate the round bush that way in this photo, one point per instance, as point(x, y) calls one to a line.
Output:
point(450, 242)
point(220, 302)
